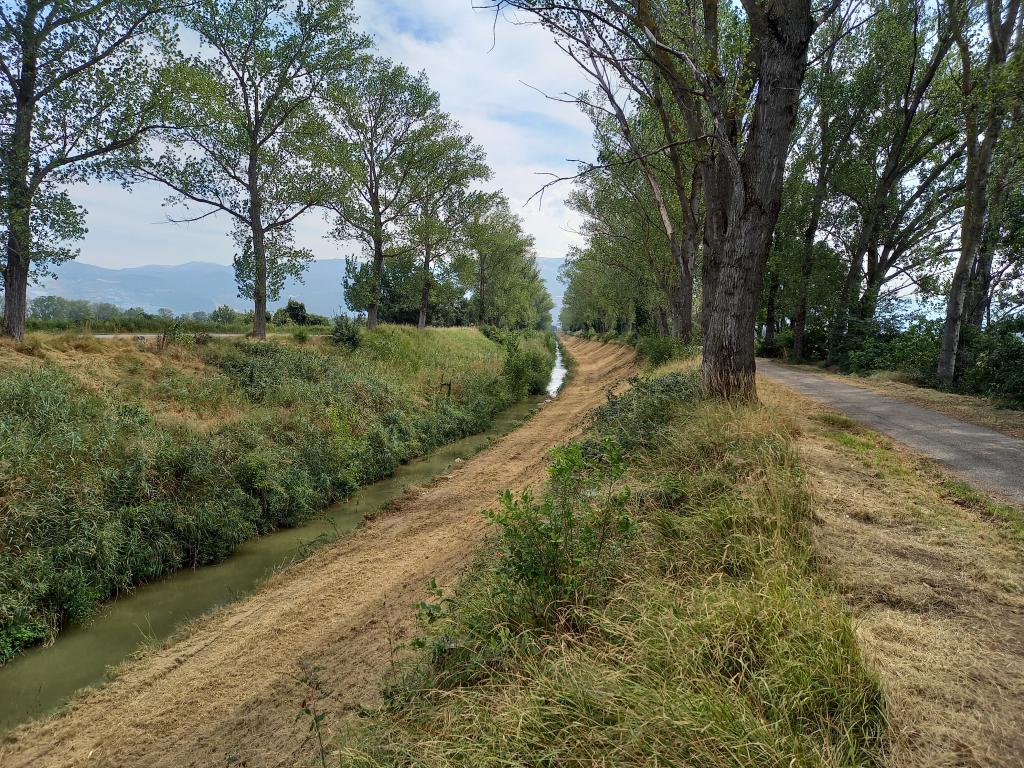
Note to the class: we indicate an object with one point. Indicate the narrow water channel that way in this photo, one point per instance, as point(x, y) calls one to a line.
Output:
point(41, 679)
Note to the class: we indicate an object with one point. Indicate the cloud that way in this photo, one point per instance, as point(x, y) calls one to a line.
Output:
point(488, 73)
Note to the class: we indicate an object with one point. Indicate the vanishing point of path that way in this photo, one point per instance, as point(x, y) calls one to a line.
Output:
point(987, 459)
point(226, 693)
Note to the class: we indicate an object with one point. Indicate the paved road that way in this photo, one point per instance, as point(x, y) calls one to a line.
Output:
point(986, 459)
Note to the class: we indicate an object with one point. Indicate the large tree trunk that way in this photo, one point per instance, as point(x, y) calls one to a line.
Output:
point(377, 277)
point(19, 195)
point(681, 300)
point(734, 272)
point(15, 285)
point(259, 251)
point(425, 291)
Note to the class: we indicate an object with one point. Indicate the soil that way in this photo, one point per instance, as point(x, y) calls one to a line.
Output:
point(228, 693)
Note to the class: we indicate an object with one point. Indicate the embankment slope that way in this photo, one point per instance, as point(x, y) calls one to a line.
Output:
point(227, 692)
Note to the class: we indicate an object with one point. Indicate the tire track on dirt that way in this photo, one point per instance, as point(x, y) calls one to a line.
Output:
point(227, 694)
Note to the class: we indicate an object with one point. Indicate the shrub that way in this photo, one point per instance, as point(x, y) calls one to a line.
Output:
point(528, 364)
point(553, 553)
point(494, 333)
point(346, 333)
point(993, 361)
point(885, 346)
point(300, 336)
point(657, 349)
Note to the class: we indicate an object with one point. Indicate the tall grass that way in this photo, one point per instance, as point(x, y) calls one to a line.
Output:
point(98, 494)
point(685, 620)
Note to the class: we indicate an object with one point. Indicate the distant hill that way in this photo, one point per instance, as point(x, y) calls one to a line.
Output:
point(549, 272)
point(199, 286)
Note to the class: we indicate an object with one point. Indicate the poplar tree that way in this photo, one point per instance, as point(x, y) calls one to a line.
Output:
point(76, 89)
point(246, 135)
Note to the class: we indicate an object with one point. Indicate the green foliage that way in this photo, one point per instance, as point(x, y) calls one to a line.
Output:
point(346, 332)
point(552, 553)
point(680, 622)
point(993, 361)
point(55, 313)
point(98, 495)
point(658, 350)
point(528, 362)
point(887, 347)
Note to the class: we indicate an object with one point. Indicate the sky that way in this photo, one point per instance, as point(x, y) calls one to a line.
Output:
point(488, 76)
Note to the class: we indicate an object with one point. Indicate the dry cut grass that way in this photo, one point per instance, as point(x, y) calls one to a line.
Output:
point(934, 573)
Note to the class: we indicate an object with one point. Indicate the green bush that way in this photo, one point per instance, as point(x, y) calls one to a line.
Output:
point(528, 364)
point(554, 552)
point(657, 349)
point(887, 347)
point(346, 332)
point(993, 361)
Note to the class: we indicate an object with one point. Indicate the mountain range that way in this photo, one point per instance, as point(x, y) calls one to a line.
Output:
point(199, 286)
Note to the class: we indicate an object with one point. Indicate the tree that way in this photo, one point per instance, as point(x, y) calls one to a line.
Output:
point(738, 102)
point(246, 135)
point(908, 148)
point(76, 87)
point(388, 117)
point(445, 203)
point(988, 99)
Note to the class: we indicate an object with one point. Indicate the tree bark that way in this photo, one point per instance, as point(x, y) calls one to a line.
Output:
point(20, 192)
point(681, 300)
point(734, 271)
point(425, 292)
point(259, 251)
point(377, 276)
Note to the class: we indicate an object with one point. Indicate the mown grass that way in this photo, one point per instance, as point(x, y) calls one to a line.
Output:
point(100, 491)
point(660, 605)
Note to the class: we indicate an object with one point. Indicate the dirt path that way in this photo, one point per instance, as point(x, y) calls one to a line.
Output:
point(985, 458)
point(226, 694)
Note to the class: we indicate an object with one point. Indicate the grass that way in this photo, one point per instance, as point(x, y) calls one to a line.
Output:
point(119, 464)
point(661, 604)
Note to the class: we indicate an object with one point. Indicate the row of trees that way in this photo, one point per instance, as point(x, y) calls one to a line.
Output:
point(777, 167)
point(281, 110)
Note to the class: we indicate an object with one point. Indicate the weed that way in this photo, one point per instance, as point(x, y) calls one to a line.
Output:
point(346, 332)
point(314, 692)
